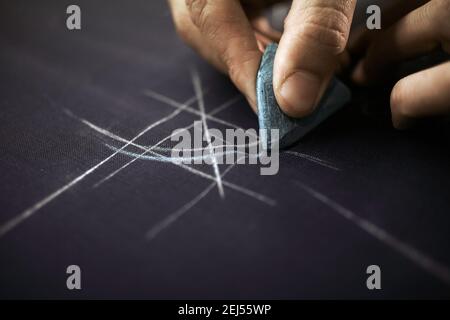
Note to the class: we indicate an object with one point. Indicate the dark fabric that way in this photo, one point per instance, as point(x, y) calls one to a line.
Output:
point(311, 235)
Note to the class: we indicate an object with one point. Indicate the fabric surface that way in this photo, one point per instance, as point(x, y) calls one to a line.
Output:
point(352, 193)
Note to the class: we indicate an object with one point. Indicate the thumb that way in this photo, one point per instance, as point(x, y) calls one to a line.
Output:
point(315, 35)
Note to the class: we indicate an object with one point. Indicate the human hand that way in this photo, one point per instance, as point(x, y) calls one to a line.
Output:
point(417, 32)
point(231, 34)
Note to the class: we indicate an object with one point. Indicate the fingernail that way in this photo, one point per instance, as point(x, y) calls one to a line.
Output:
point(300, 92)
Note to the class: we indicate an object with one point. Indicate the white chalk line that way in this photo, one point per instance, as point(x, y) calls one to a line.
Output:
point(201, 106)
point(210, 116)
point(18, 219)
point(185, 160)
point(199, 173)
point(175, 104)
point(173, 217)
point(189, 160)
point(316, 160)
point(226, 105)
point(230, 185)
point(14, 222)
point(151, 148)
point(103, 131)
point(154, 147)
point(431, 266)
point(137, 157)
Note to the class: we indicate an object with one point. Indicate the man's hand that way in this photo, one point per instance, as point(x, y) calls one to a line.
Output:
point(423, 94)
point(231, 34)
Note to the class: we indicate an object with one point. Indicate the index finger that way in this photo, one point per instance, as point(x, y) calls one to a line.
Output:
point(228, 32)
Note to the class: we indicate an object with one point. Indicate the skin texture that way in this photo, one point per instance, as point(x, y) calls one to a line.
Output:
point(420, 31)
point(232, 35)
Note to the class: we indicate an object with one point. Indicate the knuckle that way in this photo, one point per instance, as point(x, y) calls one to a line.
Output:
point(325, 36)
point(198, 12)
point(235, 67)
point(326, 28)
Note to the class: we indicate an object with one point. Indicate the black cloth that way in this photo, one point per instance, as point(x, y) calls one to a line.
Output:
point(349, 180)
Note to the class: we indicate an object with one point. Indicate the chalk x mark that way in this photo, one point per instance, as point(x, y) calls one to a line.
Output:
point(150, 148)
point(230, 185)
point(175, 104)
point(210, 116)
point(18, 219)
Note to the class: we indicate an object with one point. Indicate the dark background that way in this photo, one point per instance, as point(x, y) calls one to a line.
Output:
point(236, 247)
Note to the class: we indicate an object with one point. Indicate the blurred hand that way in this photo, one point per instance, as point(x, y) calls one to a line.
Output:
point(420, 31)
point(232, 34)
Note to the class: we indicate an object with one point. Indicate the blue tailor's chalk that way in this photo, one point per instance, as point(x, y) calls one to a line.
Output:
point(290, 129)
